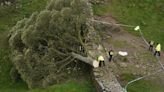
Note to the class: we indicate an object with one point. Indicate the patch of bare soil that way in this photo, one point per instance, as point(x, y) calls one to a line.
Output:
point(139, 61)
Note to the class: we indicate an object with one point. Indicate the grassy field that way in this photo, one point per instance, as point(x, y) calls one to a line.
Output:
point(8, 18)
point(9, 15)
point(71, 86)
point(149, 15)
point(145, 85)
point(146, 13)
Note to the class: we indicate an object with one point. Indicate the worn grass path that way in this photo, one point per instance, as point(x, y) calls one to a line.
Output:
point(139, 62)
point(149, 15)
point(146, 13)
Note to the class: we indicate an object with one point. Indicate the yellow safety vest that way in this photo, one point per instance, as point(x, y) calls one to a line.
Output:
point(100, 58)
point(158, 47)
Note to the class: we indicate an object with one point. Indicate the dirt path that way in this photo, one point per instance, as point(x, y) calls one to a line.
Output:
point(139, 61)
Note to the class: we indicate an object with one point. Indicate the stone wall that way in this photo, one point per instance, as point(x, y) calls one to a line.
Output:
point(105, 80)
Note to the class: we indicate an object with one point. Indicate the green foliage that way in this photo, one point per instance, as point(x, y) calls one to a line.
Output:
point(58, 4)
point(6, 84)
point(14, 74)
point(56, 30)
point(98, 1)
point(9, 15)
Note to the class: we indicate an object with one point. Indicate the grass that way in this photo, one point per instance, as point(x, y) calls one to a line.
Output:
point(140, 86)
point(146, 13)
point(126, 77)
point(119, 44)
point(71, 86)
point(9, 15)
point(8, 18)
point(147, 56)
point(100, 9)
point(6, 84)
point(145, 86)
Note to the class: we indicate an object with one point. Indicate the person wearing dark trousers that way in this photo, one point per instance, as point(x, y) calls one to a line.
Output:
point(111, 55)
point(157, 52)
point(157, 49)
point(101, 61)
point(151, 43)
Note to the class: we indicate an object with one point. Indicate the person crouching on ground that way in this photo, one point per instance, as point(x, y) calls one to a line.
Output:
point(101, 61)
point(157, 49)
point(110, 55)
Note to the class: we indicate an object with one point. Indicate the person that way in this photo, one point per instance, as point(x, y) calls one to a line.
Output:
point(157, 49)
point(111, 55)
point(101, 60)
point(151, 43)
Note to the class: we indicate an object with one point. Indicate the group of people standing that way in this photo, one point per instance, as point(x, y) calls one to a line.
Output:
point(102, 60)
point(157, 48)
point(157, 51)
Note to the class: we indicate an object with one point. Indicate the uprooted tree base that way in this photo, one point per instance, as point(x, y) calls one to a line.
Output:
point(42, 44)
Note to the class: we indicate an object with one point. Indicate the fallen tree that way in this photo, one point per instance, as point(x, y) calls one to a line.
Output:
point(87, 60)
point(42, 45)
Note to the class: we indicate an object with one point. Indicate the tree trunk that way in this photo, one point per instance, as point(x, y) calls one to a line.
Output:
point(87, 60)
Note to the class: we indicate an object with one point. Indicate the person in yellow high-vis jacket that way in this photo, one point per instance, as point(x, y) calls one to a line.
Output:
point(101, 60)
point(157, 49)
